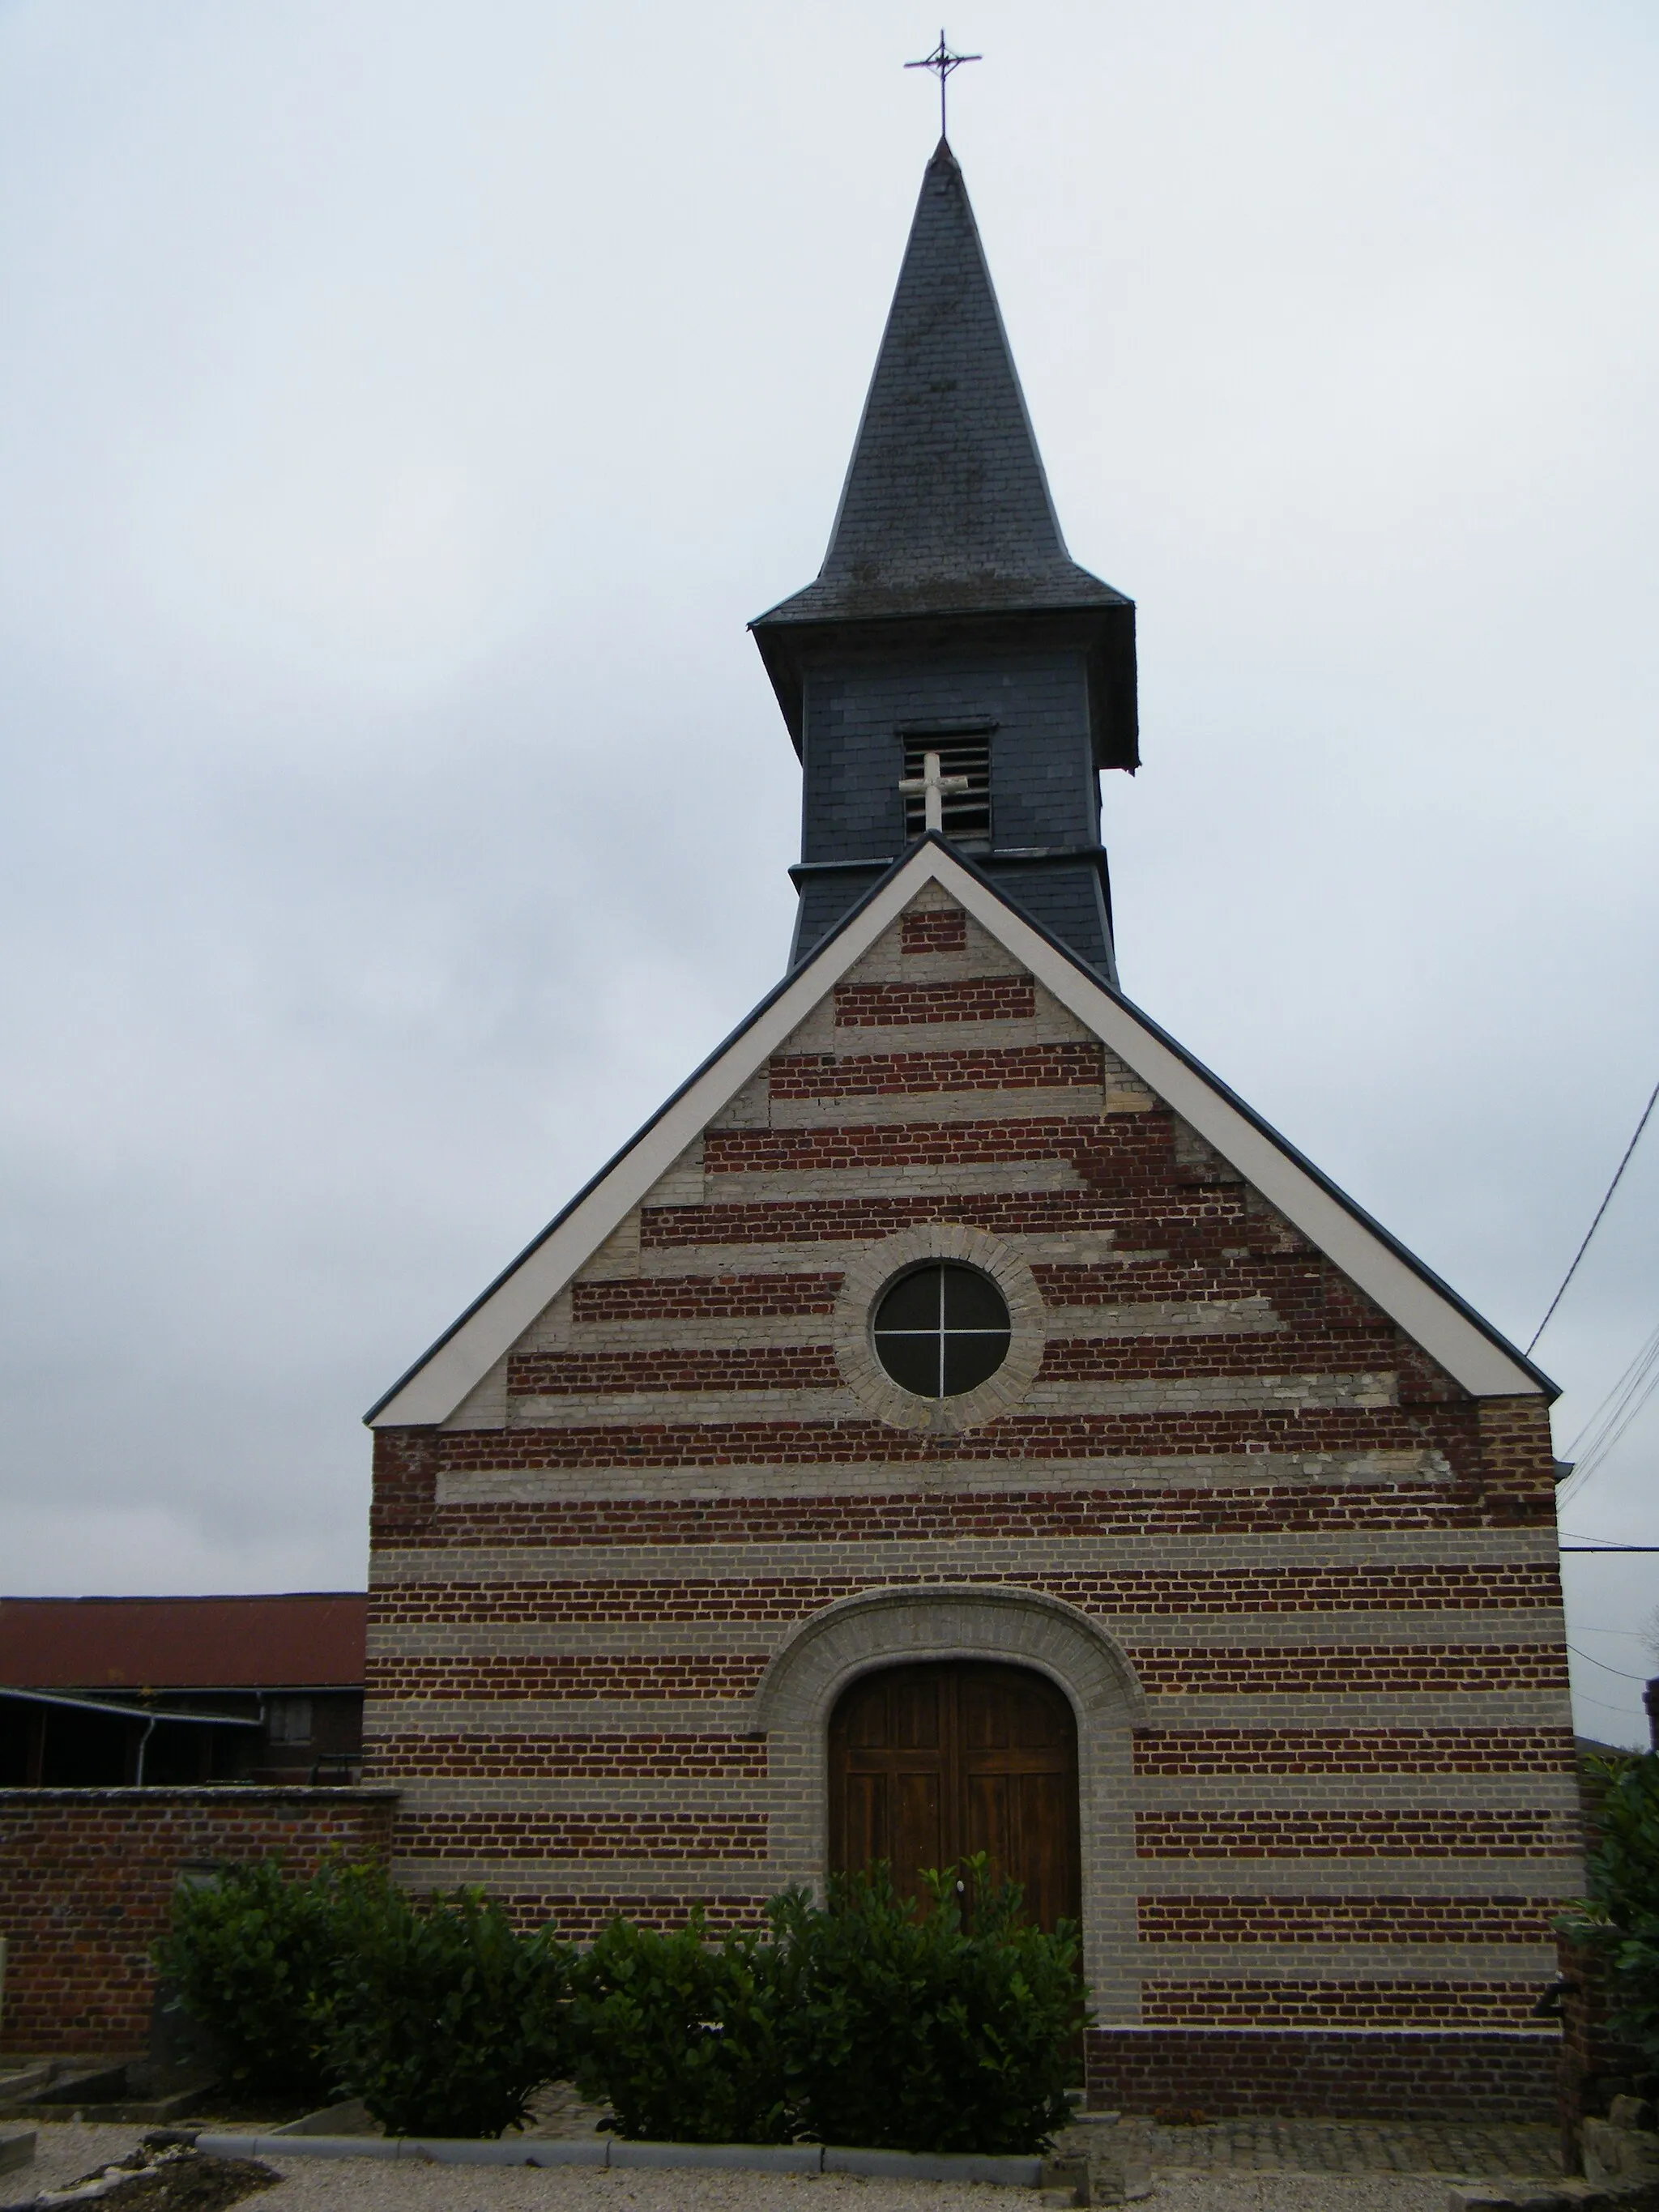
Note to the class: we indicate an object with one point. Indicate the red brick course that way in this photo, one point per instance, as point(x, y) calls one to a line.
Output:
point(699, 1297)
point(553, 1676)
point(1354, 1751)
point(1299, 1291)
point(758, 1367)
point(410, 1517)
point(87, 1877)
point(984, 998)
point(1301, 1668)
point(548, 1835)
point(987, 1067)
point(1293, 1669)
point(581, 1915)
point(1193, 1355)
point(1403, 1588)
point(515, 1755)
point(852, 1441)
point(739, 1222)
point(1429, 1833)
point(1285, 2004)
point(933, 929)
point(1347, 1920)
point(858, 1145)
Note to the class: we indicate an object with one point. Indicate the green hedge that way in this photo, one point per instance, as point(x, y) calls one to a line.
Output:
point(254, 1955)
point(1620, 1916)
point(860, 2022)
point(440, 2016)
point(679, 2037)
point(949, 2033)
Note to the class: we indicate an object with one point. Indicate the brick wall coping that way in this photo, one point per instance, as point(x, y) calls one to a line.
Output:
point(1334, 2031)
point(213, 1793)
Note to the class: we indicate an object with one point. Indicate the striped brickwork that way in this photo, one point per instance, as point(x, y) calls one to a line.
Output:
point(1300, 1584)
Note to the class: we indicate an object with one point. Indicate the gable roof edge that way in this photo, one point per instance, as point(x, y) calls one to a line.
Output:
point(1473, 1351)
point(1527, 1377)
point(660, 1157)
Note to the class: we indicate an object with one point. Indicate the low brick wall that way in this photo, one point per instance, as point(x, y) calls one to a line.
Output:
point(1596, 2067)
point(87, 1878)
point(1354, 2073)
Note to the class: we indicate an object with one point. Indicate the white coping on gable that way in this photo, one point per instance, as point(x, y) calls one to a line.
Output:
point(433, 1388)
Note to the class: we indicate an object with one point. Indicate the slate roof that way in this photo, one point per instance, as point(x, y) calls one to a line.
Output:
point(946, 508)
point(307, 1640)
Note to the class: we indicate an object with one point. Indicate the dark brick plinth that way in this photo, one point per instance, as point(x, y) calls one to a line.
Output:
point(1351, 2074)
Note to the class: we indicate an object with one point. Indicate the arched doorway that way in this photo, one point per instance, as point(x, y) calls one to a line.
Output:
point(930, 1763)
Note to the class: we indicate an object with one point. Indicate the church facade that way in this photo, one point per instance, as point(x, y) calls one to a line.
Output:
point(957, 1423)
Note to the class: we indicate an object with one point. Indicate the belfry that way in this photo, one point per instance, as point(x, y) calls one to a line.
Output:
point(948, 617)
point(957, 1422)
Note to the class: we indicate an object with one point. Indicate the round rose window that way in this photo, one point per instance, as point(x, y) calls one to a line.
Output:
point(942, 1329)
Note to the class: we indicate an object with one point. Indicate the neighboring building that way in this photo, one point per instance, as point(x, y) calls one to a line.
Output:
point(957, 1422)
point(98, 1692)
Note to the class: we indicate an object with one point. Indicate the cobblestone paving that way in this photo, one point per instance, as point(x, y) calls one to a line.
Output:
point(1301, 2146)
point(557, 2110)
point(1136, 2144)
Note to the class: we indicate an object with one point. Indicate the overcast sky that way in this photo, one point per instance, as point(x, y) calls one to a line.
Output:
point(402, 408)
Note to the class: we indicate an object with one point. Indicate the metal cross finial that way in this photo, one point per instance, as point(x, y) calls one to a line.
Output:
point(931, 787)
point(943, 61)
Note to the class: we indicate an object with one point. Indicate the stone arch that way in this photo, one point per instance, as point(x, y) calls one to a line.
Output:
point(902, 1624)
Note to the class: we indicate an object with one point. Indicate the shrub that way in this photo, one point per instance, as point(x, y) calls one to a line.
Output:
point(860, 2021)
point(254, 1956)
point(679, 2036)
point(444, 2018)
point(1621, 1917)
point(922, 2033)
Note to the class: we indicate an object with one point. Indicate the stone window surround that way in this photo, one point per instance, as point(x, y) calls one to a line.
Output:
point(853, 1322)
point(913, 1624)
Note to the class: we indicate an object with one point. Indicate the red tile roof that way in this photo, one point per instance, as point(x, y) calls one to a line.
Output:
point(313, 1640)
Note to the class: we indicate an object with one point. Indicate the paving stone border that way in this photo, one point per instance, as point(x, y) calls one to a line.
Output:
point(612, 2151)
point(1572, 2195)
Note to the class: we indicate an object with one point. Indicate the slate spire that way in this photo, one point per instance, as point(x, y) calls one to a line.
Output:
point(946, 508)
point(949, 618)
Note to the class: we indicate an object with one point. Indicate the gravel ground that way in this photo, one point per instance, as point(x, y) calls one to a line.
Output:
point(64, 2151)
point(67, 2149)
point(1294, 2192)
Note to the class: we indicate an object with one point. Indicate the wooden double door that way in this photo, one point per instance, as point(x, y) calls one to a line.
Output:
point(928, 1764)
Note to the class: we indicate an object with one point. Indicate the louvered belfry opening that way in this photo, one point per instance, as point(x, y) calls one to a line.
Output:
point(967, 813)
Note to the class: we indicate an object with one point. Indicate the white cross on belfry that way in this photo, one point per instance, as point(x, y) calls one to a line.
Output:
point(931, 787)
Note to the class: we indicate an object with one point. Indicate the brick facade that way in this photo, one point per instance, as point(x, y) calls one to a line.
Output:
point(87, 1877)
point(1298, 1581)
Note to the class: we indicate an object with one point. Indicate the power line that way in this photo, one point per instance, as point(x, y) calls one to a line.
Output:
point(1593, 1661)
point(1583, 1698)
point(1609, 1423)
point(1596, 1223)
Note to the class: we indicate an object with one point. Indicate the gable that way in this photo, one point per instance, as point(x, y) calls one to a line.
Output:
point(935, 949)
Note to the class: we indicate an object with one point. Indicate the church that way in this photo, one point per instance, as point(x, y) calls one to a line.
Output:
point(956, 1422)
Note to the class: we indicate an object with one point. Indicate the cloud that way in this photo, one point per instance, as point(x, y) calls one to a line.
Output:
point(402, 408)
